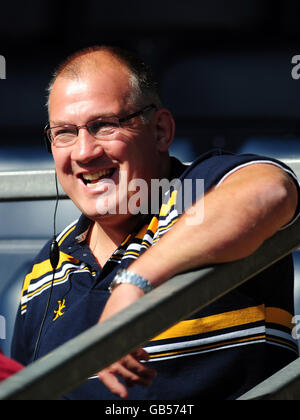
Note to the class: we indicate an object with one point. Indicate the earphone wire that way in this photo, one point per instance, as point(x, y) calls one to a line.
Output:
point(56, 206)
point(54, 248)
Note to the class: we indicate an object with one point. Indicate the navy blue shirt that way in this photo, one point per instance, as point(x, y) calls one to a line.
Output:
point(218, 353)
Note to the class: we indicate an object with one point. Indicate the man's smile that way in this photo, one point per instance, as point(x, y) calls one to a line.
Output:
point(92, 179)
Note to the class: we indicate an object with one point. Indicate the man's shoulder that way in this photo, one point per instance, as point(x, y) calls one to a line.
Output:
point(222, 159)
point(70, 232)
point(213, 165)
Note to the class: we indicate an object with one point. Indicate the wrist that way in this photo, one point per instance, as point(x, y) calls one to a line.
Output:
point(130, 277)
point(155, 273)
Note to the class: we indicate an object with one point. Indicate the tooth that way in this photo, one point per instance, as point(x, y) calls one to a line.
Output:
point(97, 175)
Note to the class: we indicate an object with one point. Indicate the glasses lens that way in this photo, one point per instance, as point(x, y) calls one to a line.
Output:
point(63, 136)
point(103, 127)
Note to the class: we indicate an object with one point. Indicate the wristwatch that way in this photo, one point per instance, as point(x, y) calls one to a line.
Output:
point(129, 277)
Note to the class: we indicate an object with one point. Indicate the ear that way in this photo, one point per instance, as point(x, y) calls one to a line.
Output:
point(47, 142)
point(48, 145)
point(164, 129)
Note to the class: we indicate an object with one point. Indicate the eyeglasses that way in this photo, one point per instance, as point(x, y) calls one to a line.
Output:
point(101, 128)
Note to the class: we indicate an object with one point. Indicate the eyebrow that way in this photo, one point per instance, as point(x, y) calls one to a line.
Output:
point(92, 118)
point(57, 123)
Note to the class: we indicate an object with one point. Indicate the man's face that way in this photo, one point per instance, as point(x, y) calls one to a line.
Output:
point(88, 169)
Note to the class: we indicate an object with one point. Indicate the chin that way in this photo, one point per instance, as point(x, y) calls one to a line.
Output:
point(98, 214)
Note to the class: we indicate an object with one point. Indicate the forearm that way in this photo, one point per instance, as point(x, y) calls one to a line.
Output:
point(237, 220)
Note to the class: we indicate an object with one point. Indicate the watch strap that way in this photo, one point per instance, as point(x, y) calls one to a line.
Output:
point(129, 277)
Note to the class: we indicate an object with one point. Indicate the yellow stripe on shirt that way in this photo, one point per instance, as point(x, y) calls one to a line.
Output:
point(227, 320)
point(45, 267)
point(66, 234)
point(165, 208)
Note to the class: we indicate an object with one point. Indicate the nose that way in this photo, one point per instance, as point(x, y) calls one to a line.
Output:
point(86, 148)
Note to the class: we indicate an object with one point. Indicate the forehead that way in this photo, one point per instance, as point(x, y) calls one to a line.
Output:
point(104, 88)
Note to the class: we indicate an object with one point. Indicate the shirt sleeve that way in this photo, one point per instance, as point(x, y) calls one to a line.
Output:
point(217, 165)
point(280, 165)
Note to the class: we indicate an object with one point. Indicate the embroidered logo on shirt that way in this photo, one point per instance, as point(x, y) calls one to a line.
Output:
point(59, 312)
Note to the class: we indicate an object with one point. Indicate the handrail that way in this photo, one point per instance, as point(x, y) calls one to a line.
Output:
point(40, 184)
point(283, 385)
point(28, 185)
point(72, 363)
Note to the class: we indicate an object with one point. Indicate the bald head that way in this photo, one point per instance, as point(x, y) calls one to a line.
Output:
point(87, 61)
point(97, 59)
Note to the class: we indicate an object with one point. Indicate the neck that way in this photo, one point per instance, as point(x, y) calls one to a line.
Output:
point(104, 237)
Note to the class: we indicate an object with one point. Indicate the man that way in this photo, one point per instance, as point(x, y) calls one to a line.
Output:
point(108, 131)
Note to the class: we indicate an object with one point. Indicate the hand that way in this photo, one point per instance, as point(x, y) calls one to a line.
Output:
point(131, 370)
point(129, 367)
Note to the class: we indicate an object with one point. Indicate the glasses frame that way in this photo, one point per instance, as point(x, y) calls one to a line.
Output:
point(47, 129)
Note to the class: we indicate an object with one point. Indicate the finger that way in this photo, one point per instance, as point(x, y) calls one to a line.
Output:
point(128, 369)
point(143, 371)
point(141, 354)
point(113, 384)
point(140, 381)
point(131, 370)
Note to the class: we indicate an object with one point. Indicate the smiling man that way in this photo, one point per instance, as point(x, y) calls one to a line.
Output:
point(107, 127)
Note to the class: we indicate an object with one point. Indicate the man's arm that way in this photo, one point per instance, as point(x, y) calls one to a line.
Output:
point(250, 206)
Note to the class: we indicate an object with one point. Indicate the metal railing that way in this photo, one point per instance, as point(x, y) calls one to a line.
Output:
point(71, 364)
point(28, 185)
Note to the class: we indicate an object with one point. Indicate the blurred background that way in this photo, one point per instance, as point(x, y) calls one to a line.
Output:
point(224, 69)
